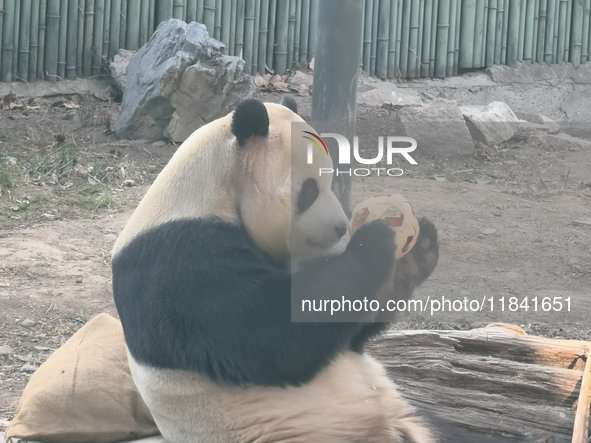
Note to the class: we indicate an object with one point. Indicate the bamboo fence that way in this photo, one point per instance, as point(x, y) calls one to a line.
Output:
point(65, 39)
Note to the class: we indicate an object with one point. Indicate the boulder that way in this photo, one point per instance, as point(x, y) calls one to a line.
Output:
point(300, 78)
point(152, 106)
point(438, 128)
point(384, 93)
point(491, 124)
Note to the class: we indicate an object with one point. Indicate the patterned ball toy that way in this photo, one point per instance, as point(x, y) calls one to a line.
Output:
point(394, 209)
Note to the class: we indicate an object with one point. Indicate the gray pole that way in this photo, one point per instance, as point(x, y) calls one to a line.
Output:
point(336, 72)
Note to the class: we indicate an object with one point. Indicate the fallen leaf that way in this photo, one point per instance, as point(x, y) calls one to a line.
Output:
point(261, 82)
point(71, 106)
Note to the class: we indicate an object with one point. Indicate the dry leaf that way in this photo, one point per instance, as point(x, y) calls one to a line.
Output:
point(71, 106)
point(261, 82)
point(312, 64)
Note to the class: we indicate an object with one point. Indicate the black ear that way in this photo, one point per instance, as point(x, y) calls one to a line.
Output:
point(250, 119)
point(289, 102)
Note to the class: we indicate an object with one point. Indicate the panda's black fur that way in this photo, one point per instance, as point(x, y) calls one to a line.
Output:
point(193, 294)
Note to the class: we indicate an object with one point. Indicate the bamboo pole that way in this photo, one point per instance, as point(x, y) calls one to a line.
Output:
point(467, 37)
point(152, 17)
point(163, 11)
point(232, 45)
point(249, 33)
point(106, 28)
point(1, 30)
point(144, 18)
point(367, 22)
point(457, 38)
point(72, 46)
point(567, 35)
point(528, 32)
point(297, 35)
point(42, 31)
point(383, 39)
point(217, 26)
point(405, 41)
point(491, 36)
point(15, 37)
point(240, 11)
point(63, 39)
point(434, 22)
point(419, 54)
point(499, 31)
point(392, 39)
point(115, 27)
point(561, 44)
point(535, 33)
point(513, 32)
point(291, 32)
point(191, 11)
point(132, 34)
point(263, 37)
point(484, 34)
point(426, 50)
point(556, 33)
point(281, 36)
point(313, 36)
point(576, 41)
point(200, 11)
point(398, 58)
point(549, 35)
point(521, 39)
point(505, 32)
point(442, 38)
point(585, 36)
point(209, 16)
point(541, 34)
point(374, 36)
point(305, 31)
point(24, 41)
point(451, 37)
point(413, 39)
point(226, 24)
point(271, 39)
point(88, 28)
point(97, 41)
point(478, 34)
point(33, 39)
point(178, 7)
point(123, 25)
point(52, 38)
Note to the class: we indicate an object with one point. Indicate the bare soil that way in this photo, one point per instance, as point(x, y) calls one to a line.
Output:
point(67, 186)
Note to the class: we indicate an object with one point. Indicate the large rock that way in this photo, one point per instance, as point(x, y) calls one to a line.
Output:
point(384, 93)
point(491, 124)
point(438, 128)
point(553, 127)
point(154, 107)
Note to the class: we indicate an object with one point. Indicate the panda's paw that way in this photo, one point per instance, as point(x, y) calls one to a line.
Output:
point(416, 266)
point(373, 247)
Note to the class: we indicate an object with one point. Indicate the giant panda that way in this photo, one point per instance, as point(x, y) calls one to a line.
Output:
point(202, 276)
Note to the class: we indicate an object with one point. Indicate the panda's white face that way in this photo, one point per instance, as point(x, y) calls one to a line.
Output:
point(318, 221)
point(287, 207)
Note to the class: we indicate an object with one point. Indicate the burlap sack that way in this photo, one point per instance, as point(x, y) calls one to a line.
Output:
point(84, 392)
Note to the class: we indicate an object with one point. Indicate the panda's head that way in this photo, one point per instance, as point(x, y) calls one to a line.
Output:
point(286, 206)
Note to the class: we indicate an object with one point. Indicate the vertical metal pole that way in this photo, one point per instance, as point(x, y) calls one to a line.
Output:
point(336, 72)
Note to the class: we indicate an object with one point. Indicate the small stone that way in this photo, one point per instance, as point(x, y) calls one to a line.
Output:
point(28, 323)
point(110, 237)
point(129, 183)
point(79, 280)
point(42, 348)
point(5, 350)
point(159, 144)
point(488, 231)
point(27, 367)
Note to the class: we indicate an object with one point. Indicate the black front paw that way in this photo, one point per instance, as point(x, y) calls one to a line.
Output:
point(373, 247)
point(416, 266)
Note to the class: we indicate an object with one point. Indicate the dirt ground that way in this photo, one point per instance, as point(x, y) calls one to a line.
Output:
point(507, 227)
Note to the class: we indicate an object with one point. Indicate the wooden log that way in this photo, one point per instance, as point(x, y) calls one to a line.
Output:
point(495, 381)
point(581, 428)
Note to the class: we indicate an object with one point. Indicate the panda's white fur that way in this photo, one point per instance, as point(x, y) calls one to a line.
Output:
point(225, 174)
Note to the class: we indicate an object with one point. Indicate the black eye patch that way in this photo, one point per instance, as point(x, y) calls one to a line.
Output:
point(308, 195)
